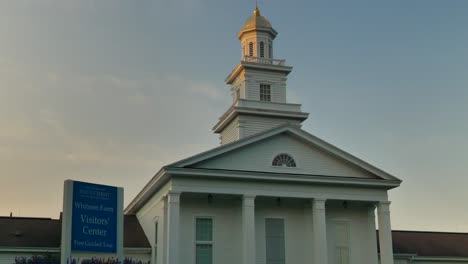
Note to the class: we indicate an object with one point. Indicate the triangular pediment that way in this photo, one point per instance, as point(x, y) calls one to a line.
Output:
point(312, 156)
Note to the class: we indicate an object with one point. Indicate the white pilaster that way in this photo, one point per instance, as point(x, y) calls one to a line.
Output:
point(248, 229)
point(372, 255)
point(385, 233)
point(65, 246)
point(173, 227)
point(320, 231)
point(120, 224)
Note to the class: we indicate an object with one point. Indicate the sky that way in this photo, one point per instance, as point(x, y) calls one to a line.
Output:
point(108, 91)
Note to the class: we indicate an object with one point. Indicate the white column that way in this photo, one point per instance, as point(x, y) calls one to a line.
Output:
point(385, 233)
point(173, 227)
point(372, 255)
point(248, 229)
point(320, 231)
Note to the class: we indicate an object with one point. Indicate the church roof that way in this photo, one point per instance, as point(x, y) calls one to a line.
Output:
point(295, 131)
point(31, 232)
point(382, 179)
point(45, 233)
point(430, 244)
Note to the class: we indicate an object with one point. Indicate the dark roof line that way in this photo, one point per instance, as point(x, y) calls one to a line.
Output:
point(431, 232)
point(26, 217)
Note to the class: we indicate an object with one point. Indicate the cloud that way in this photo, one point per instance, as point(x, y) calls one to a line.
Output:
point(109, 128)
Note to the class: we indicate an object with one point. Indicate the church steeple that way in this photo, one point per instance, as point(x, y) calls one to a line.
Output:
point(258, 85)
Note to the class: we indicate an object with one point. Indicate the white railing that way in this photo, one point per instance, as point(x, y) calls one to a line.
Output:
point(264, 60)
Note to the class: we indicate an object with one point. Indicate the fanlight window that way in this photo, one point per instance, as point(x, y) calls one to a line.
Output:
point(283, 160)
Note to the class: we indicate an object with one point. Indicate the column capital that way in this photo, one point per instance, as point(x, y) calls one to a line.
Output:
point(173, 197)
point(319, 203)
point(248, 200)
point(383, 207)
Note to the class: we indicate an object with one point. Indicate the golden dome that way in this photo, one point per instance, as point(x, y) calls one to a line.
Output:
point(256, 22)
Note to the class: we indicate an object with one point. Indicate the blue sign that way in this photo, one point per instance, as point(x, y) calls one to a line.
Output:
point(94, 217)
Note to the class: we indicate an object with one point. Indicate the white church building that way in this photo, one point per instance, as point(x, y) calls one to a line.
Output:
point(272, 193)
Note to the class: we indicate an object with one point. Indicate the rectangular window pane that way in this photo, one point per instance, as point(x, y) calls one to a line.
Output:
point(204, 229)
point(204, 254)
point(265, 92)
point(274, 236)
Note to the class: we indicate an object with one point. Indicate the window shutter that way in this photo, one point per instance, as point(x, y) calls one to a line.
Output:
point(274, 236)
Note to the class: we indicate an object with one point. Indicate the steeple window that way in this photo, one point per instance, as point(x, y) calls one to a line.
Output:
point(251, 49)
point(270, 50)
point(262, 49)
point(265, 92)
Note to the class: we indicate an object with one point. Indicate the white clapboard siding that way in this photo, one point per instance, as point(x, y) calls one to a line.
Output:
point(309, 159)
point(349, 224)
point(152, 212)
point(231, 132)
point(255, 124)
point(295, 237)
point(9, 257)
point(226, 229)
point(277, 80)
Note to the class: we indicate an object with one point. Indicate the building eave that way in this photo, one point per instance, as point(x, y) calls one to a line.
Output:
point(158, 180)
point(31, 249)
point(284, 177)
point(57, 249)
point(271, 31)
point(294, 130)
point(259, 66)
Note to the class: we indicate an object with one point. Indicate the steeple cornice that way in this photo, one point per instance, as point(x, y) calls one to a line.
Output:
point(279, 67)
point(256, 108)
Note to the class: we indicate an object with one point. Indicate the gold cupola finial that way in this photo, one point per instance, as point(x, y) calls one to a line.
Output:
point(256, 12)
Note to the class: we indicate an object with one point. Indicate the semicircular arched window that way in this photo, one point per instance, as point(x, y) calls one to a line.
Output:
point(283, 160)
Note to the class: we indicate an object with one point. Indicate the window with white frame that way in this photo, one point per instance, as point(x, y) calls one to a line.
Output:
point(274, 241)
point(251, 49)
point(204, 240)
point(342, 243)
point(265, 92)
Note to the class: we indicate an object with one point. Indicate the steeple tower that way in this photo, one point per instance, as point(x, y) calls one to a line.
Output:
point(258, 85)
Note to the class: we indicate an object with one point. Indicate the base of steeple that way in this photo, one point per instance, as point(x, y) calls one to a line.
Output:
point(248, 117)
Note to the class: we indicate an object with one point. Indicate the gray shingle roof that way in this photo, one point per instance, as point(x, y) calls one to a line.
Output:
point(46, 232)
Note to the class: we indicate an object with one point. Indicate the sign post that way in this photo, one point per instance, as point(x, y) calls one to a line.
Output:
point(92, 220)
